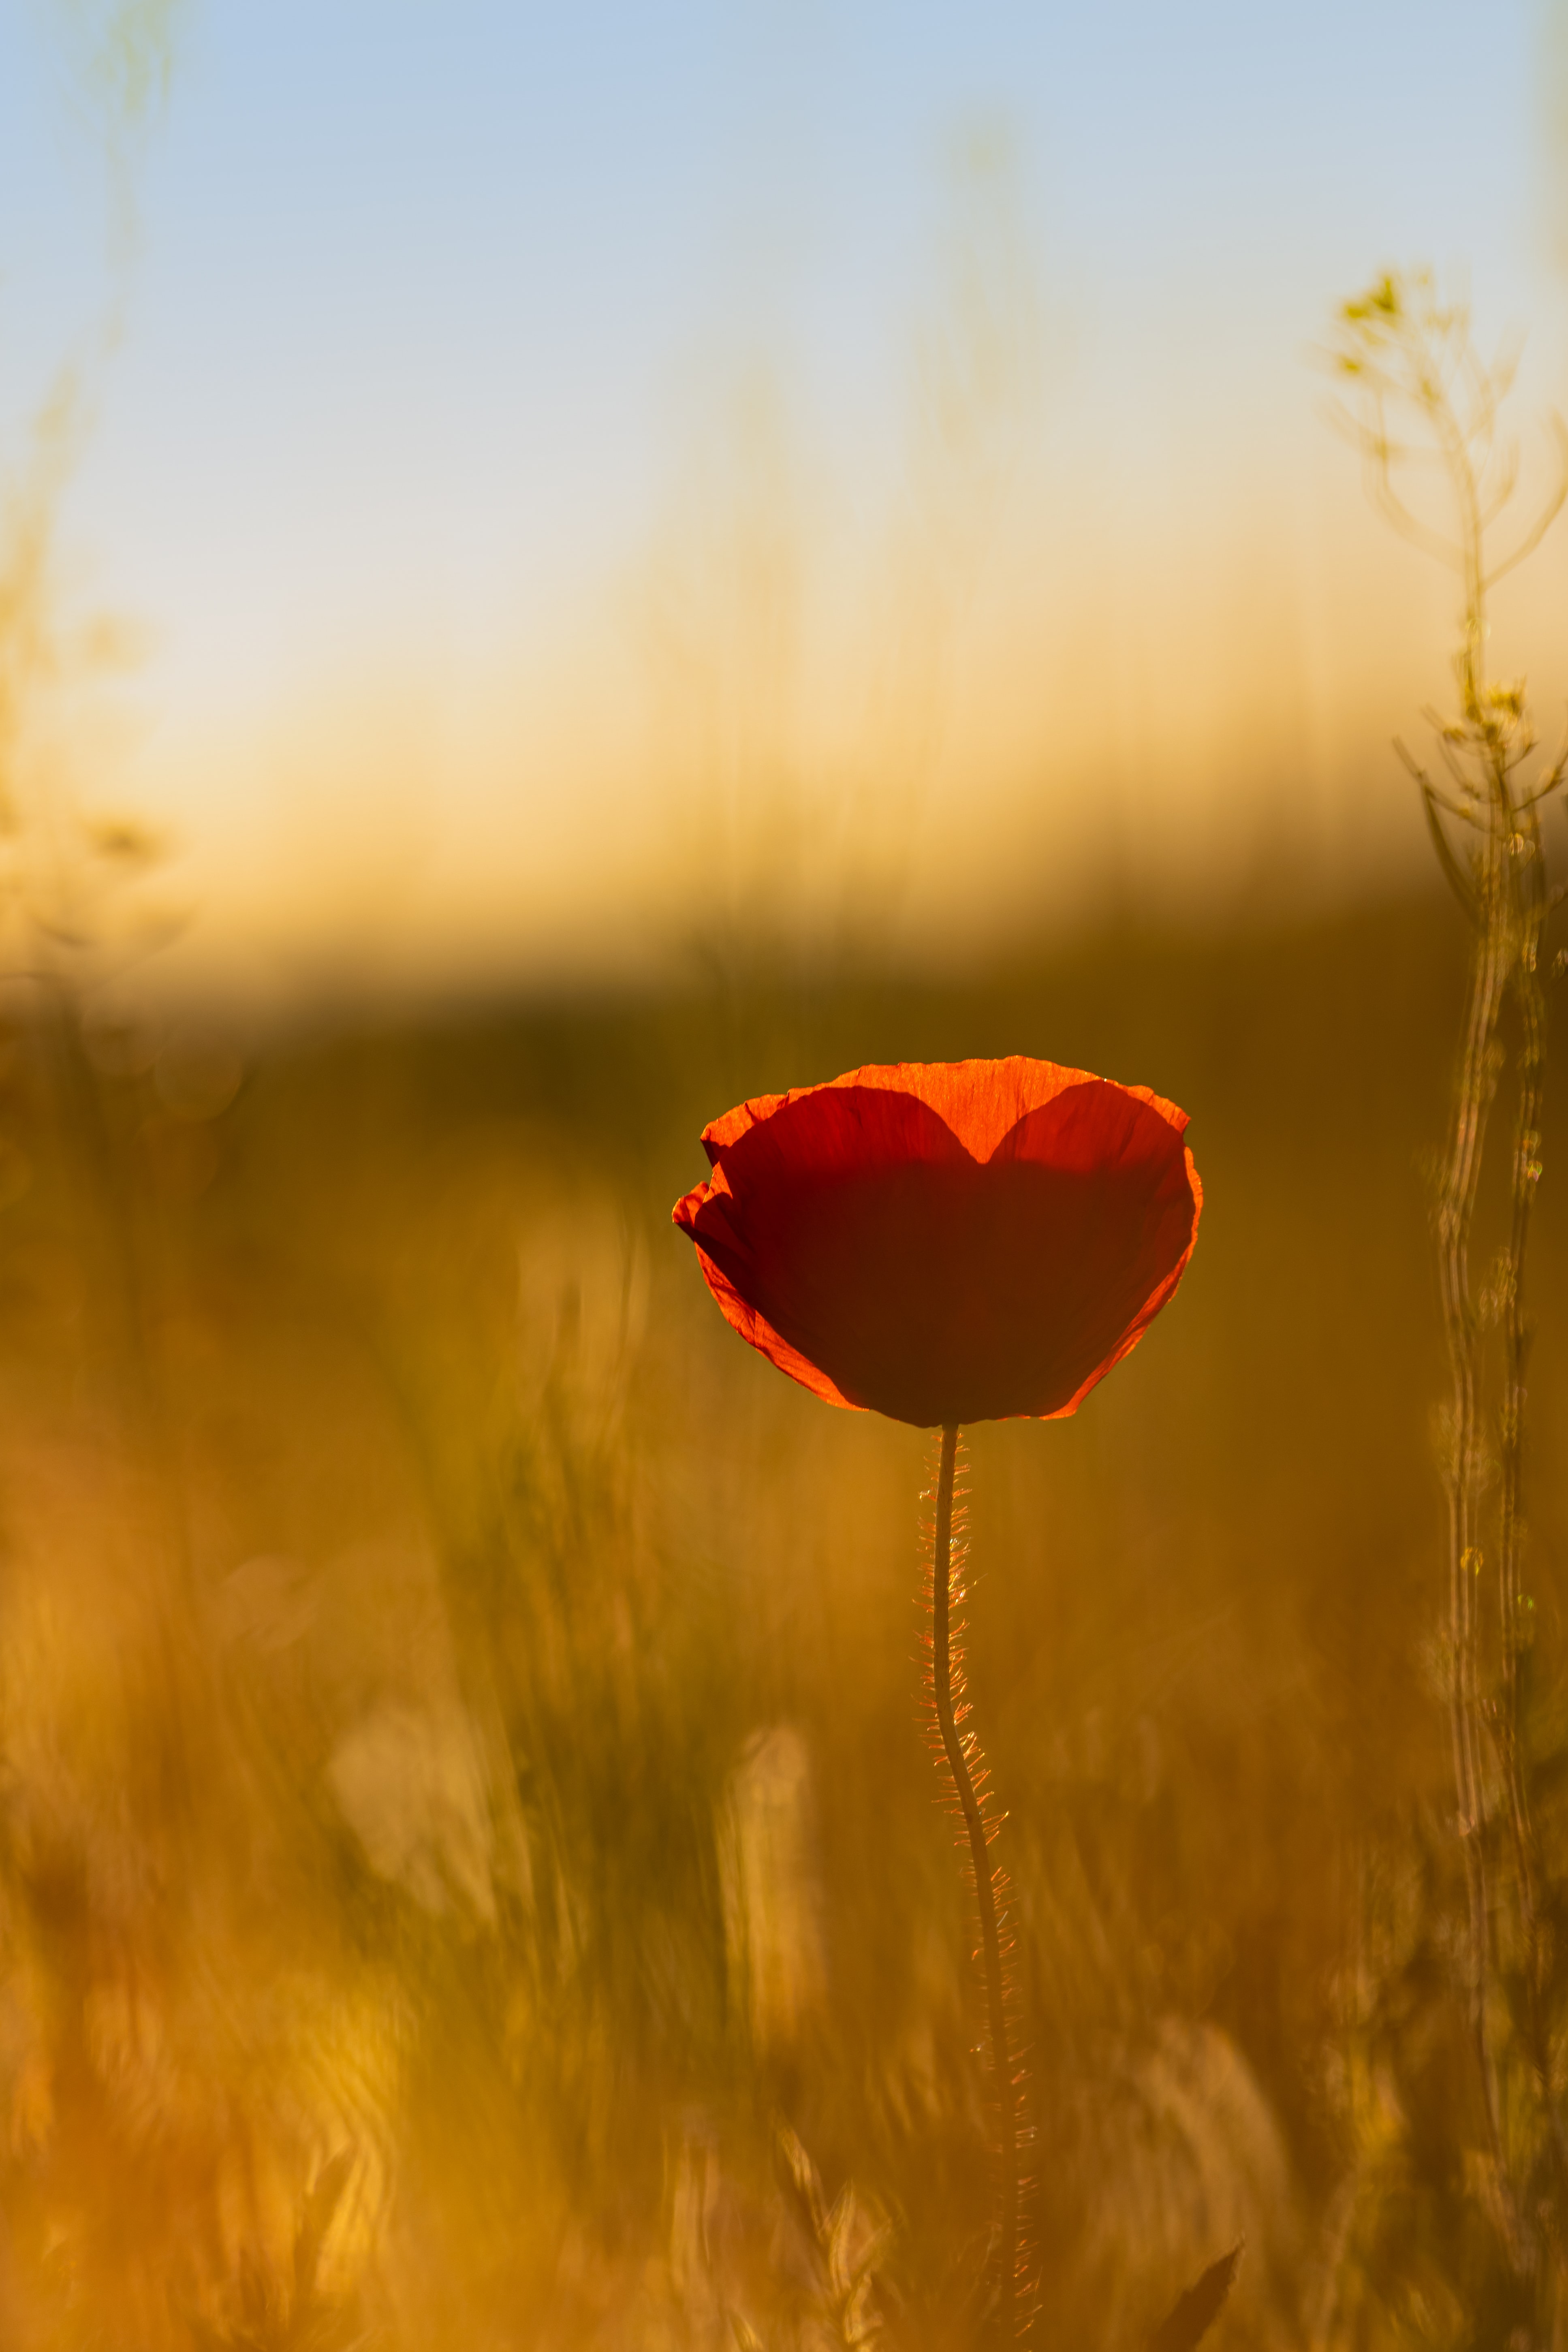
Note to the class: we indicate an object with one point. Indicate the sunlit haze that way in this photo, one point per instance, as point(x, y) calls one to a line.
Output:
point(783, 1414)
point(571, 478)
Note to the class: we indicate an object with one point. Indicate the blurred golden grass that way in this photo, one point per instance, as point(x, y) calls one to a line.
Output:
point(460, 1708)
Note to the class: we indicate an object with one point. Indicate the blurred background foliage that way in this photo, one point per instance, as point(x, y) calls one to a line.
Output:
point(469, 1876)
point(470, 1872)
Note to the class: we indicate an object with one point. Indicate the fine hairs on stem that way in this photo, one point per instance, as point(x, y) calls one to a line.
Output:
point(1424, 401)
point(966, 1780)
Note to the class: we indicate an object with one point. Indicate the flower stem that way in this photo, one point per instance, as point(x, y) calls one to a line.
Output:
point(960, 1752)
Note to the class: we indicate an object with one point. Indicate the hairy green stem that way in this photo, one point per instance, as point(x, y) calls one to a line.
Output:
point(958, 1751)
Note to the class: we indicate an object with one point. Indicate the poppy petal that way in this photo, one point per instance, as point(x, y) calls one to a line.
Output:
point(947, 1242)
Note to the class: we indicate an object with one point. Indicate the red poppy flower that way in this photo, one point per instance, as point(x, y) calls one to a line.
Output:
point(951, 1241)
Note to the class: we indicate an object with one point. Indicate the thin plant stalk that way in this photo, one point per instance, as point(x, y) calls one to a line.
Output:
point(1534, 907)
point(1454, 1222)
point(961, 1749)
point(1412, 358)
point(1530, 998)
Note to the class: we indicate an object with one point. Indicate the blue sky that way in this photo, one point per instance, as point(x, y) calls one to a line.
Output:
point(441, 318)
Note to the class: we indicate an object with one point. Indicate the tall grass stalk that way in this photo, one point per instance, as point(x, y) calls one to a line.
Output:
point(1424, 399)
